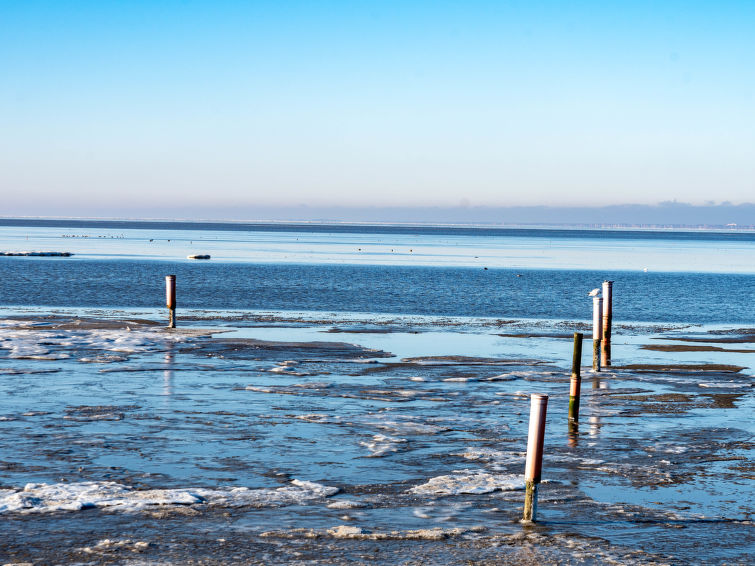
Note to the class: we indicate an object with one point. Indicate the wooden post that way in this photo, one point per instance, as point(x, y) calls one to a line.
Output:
point(597, 329)
point(607, 316)
point(576, 378)
point(170, 299)
point(534, 465)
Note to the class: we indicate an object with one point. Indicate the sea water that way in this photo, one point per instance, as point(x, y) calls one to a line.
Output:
point(341, 394)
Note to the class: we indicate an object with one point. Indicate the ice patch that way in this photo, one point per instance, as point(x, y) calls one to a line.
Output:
point(382, 445)
point(45, 498)
point(108, 545)
point(346, 504)
point(469, 481)
point(319, 418)
point(403, 424)
point(488, 455)
point(345, 531)
point(44, 344)
point(501, 377)
point(513, 394)
point(286, 370)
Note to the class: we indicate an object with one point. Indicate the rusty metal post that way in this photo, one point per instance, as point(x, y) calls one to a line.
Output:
point(597, 329)
point(607, 316)
point(576, 378)
point(534, 465)
point(170, 299)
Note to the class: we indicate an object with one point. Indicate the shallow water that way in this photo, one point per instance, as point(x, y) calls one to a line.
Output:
point(334, 417)
point(415, 434)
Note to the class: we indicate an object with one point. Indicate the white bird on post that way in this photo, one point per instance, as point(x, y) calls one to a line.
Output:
point(594, 292)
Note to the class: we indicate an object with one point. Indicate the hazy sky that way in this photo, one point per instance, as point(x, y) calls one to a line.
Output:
point(106, 105)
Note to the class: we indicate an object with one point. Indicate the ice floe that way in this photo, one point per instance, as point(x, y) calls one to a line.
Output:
point(469, 481)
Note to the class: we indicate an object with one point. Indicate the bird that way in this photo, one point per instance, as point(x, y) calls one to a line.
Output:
point(594, 292)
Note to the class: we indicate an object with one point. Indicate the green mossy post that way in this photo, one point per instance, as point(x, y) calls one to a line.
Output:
point(576, 378)
point(596, 355)
point(530, 501)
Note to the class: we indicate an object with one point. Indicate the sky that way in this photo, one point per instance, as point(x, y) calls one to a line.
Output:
point(137, 107)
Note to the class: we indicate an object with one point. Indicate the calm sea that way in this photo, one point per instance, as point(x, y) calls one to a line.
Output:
point(659, 276)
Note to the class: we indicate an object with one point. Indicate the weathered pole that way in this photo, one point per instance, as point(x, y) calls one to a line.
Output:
point(597, 329)
point(607, 316)
point(534, 465)
point(170, 299)
point(576, 378)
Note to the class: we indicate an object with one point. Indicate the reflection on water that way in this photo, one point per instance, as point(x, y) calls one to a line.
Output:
point(168, 374)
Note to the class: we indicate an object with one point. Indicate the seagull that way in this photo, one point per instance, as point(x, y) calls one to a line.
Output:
point(594, 292)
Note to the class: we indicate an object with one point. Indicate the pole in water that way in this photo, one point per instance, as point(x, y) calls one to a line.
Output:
point(534, 466)
point(597, 329)
point(607, 316)
point(170, 299)
point(576, 378)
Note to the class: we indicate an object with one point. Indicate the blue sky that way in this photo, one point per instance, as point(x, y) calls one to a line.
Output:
point(108, 106)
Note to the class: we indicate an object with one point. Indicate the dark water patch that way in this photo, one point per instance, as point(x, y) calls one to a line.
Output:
point(723, 400)
point(55, 322)
point(252, 349)
point(462, 360)
point(364, 330)
point(20, 371)
point(681, 368)
point(688, 348)
point(440, 371)
point(748, 339)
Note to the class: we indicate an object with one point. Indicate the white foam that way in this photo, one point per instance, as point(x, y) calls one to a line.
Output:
point(45, 498)
point(469, 481)
point(726, 385)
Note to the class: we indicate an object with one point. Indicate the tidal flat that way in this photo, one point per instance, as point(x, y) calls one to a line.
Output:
point(331, 438)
